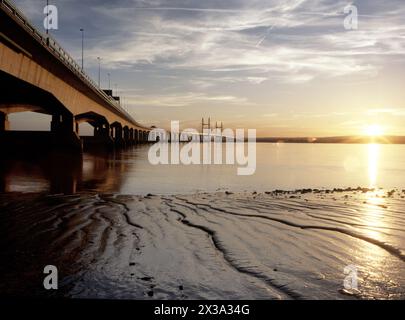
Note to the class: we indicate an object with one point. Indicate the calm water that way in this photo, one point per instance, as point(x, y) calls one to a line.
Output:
point(279, 166)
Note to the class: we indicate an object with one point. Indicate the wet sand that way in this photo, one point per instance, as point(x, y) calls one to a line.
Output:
point(270, 245)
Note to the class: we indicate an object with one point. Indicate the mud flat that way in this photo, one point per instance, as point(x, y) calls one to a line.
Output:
point(270, 245)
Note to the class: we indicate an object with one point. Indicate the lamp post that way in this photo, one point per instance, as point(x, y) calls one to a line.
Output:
point(99, 71)
point(109, 81)
point(47, 17)
point(82, 31)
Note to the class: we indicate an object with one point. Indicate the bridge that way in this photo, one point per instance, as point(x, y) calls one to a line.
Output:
point(37, 75)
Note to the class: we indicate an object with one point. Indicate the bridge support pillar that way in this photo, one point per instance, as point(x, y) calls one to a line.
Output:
point(135, 136)
point(102, 130)
point(4, 123)
point(140, 135)
point(131, 136)
point(126, 135)
point(116, 130)
point(63, 123)
point(102, 139)
point(63, 128)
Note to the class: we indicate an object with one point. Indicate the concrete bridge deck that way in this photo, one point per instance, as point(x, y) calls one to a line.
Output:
point(37, 75)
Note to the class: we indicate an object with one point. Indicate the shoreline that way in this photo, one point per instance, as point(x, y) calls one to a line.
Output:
point(361, 190)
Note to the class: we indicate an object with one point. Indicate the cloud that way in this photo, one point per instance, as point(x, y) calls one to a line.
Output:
point(183, 100)
point(387, 111)
point(299, 40)
point(225, 40)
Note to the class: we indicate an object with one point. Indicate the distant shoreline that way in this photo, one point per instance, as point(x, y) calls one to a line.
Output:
point(339, 140)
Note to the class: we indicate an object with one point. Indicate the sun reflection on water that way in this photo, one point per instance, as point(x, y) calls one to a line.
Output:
point(372, 259)
point(373, 157)
point(375, 221)
point(375, 200)
point(375, 214)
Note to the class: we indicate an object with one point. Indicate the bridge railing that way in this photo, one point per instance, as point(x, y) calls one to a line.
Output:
point(52, 45)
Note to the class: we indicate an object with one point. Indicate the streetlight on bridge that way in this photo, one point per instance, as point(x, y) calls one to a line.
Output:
point(47, 19)
point(82, 31)
point(99, 71)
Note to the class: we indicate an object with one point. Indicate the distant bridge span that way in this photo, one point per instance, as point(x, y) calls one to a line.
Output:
point(36, 74)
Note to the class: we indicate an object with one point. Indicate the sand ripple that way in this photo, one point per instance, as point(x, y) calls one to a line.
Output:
point(276, 245)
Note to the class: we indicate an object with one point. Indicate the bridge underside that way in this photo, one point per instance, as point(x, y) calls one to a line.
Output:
point(20, 96)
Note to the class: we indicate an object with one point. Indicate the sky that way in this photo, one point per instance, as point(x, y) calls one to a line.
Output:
point(282, 67)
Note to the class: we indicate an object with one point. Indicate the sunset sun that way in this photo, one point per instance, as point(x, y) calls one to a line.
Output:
point(374, 130)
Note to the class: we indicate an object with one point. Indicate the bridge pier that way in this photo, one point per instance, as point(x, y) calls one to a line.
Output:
point(63, 123)
point(126, 136)
point(136, 139)
point(102, 139)
point(140, 137)
point(63, 129)
point(145, 137)
point(4, 123)
point(102, 130)
point(131, 136)
point(117, 135)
